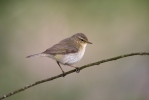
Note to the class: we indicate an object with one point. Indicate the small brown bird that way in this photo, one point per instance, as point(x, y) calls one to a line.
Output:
point(67, 51)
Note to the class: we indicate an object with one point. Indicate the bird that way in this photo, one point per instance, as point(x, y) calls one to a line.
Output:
point(67, 52)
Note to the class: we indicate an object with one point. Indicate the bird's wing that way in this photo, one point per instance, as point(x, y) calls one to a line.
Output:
point(61, 48)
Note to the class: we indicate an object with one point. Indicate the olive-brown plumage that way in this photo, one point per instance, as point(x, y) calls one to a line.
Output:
point(67, 51)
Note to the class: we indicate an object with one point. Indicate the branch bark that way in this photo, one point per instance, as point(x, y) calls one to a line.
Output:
point(69, 72)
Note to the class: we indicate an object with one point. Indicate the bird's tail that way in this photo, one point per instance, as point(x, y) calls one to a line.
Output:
point(33, 55)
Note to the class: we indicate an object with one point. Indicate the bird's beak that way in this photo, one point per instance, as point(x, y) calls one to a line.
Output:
point(89, 42)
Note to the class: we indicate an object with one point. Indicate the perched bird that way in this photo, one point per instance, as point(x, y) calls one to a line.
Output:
point(67, 51)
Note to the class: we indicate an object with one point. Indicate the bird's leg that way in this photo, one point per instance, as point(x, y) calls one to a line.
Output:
point(77, 69)
point(61, 68)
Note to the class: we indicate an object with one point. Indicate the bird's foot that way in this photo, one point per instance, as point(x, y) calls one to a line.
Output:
point(63, 74)
point(77, 70)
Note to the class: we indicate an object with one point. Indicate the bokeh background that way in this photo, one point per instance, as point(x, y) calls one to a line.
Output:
point(115, 27)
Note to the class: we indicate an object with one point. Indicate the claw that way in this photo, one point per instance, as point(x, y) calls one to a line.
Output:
point(77, 70)
point(64, 74)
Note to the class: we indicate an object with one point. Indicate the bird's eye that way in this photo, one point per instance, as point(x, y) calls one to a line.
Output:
point(82, 40)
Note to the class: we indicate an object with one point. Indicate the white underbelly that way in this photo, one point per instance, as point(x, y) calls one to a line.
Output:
point(73, 57)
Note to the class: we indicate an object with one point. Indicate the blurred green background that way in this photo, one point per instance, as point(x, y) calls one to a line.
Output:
point(114, 27)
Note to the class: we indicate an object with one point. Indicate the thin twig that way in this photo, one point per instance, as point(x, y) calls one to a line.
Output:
point(69, 72)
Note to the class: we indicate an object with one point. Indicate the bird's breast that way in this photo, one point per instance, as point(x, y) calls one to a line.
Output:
point(71, 58)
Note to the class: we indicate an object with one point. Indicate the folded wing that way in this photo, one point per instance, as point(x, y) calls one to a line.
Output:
point(61, 48)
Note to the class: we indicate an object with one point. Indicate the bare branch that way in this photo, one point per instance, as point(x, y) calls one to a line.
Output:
point(71, 71)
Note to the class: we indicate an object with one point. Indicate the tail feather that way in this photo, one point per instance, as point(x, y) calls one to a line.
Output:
point(33, 55)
